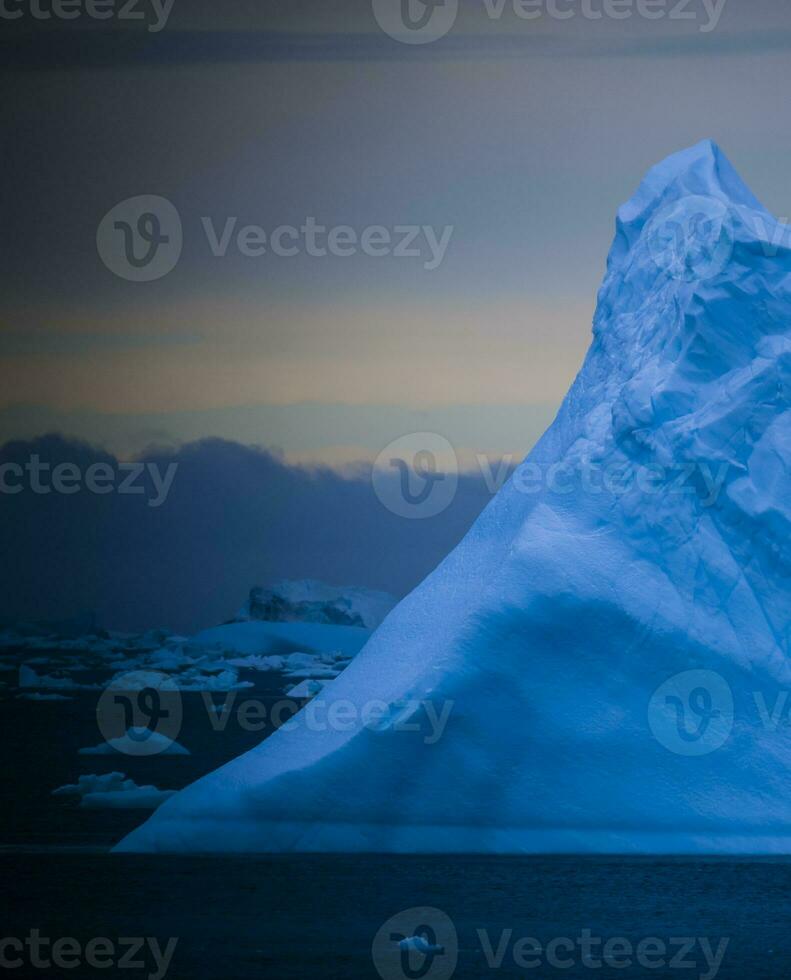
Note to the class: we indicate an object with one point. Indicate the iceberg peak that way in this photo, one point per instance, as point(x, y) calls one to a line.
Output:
point(693, 251)
point(702, 169)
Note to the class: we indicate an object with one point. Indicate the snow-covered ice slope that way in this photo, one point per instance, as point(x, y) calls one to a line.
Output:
point(609, 630)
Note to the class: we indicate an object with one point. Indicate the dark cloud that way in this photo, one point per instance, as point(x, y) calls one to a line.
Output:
point(235, 516)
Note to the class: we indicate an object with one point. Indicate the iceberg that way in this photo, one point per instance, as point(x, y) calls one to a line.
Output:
point(603, 639)
point(263, 640)
point(309, 601)
point(129, 744)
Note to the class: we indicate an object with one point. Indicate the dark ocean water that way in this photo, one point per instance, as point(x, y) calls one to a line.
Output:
point(301, 917)
point(307, 916)
point(39, 749)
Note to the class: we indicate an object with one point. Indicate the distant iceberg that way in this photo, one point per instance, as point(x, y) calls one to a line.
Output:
point(129, 744)
point(612, 635)
point(309, 601)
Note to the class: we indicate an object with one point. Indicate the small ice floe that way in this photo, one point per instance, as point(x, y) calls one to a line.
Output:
point(195, 679)
point(176, 640)
point(317, 672)
point(191, 679)
point(258, 662)
point(130, 744)
point(38, 696)
point(264, 639)
point(210, 665)
point(150, 640)
point(168, 658)
point(315, 666)
point(420, 945)
point(305, 689)
point(114, 791)
point(91, 644)
point(29, 678)
point(124, 663)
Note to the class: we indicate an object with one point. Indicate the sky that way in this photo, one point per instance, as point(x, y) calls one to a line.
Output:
point(505, 145)
point(523, 136)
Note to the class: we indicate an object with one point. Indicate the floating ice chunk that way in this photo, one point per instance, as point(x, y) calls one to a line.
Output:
point(29, 678)
point(276, 639)
point(420, 945)
point(254, 662)
point(305, 689)
point(192, 679)
point(129, 744)
point(113, 790)
point(168, 658)
point(38, 696)
point(196, 680)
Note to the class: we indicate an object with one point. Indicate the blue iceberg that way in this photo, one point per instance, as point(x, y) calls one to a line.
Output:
point(602, 663)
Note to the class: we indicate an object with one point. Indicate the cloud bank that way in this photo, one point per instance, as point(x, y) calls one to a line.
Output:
point(234, 516)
